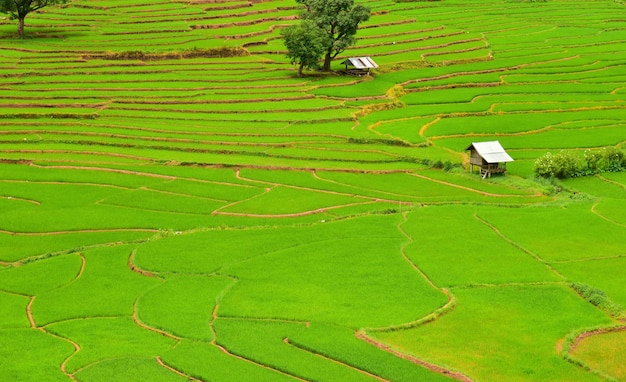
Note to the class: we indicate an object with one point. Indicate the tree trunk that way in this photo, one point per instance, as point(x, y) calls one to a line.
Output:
point(327, 60)
point(20, 27)
point(300, 70)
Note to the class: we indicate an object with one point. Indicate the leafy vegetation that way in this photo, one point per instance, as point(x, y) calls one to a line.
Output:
point(567, 164)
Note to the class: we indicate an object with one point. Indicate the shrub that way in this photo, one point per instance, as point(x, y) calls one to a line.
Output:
point(568, 164)
point(615, 159)
point(598, 298)
point(544, 166)
point(565, 165)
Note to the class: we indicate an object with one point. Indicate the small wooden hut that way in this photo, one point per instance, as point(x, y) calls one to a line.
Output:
point(359, 65)
point(490, 157)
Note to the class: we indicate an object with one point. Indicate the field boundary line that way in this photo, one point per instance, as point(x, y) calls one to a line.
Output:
point(63, 365)
point(444, 309)
point(62, 183)
point(519, 246)
point(32, 201)
point(570, 346)
point(456, 375)
point(29, 314)
point(297, 214)
point(175, 371)
point(142, 325)
point(484, 193)
point(407, 203)
point(333, 360)
point(594, 332)
point(263, 366)
point(79, 231)
point(121, 171)
point(137, 269)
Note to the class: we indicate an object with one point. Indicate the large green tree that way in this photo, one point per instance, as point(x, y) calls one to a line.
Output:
point(306, 43)
point(339, 19)
point(19, 9)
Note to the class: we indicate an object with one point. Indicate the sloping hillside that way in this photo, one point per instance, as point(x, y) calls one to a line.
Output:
point(176, 204)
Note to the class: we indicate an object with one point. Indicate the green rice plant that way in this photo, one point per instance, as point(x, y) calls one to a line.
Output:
point(129, 368)
point(263, 342)
point(598, 297)
point(612, 209)
point(290, 201)
point(342, 344)
point(412, 187)
point(486, 258)
point(209, 189)
point(32, 247)
point(506, 317)
point(597, 186)
point(13, 311)
point(32, 355)
point(95, 336)
point(107, 287)
point(548, 232)
point(593, 272)
point(41, 276)
point(602, 352)
point(208, 362)
point(183, 306)
point(208, 252)
point(135, 136)
point(163, 201)
point(322, 279)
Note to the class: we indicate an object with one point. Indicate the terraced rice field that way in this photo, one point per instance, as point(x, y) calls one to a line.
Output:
point(175, 204)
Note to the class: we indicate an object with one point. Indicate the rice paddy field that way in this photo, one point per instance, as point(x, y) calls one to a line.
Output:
point(176, 204)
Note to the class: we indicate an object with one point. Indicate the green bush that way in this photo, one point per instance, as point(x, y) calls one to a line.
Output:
point(569, 164)
point(598, 298)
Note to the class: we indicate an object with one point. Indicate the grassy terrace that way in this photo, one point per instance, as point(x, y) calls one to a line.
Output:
point(175, 204)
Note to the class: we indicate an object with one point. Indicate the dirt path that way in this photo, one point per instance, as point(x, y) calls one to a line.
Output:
point(136, 269)
point(138, 322)
point(29, 314)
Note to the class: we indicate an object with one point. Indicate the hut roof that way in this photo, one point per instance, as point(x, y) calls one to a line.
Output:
point(361, 62)
point(491, 152)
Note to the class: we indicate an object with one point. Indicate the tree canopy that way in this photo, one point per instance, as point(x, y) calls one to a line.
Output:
point(339, 21)
point(19, 9)
point(305, 44)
